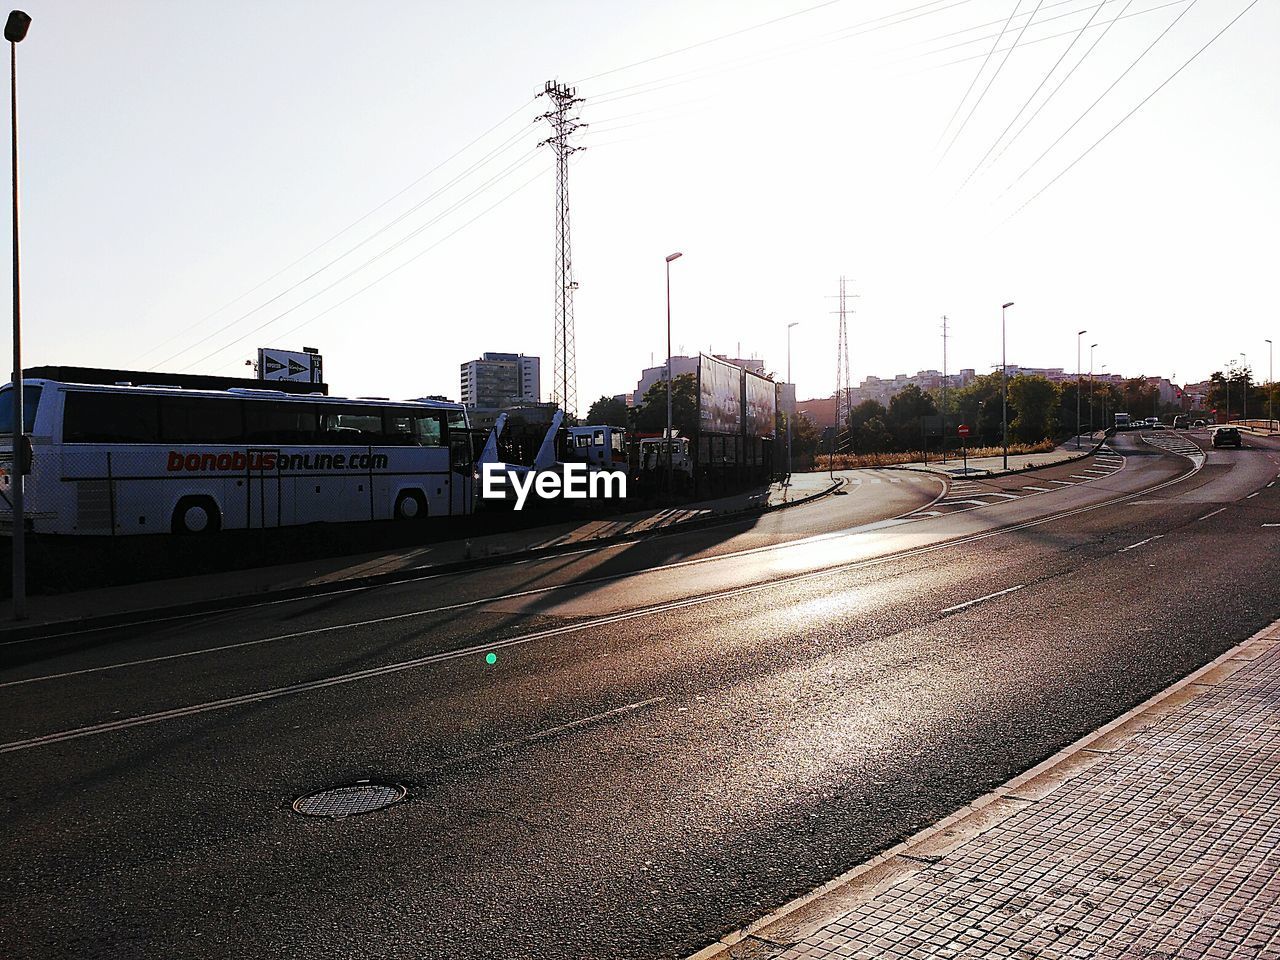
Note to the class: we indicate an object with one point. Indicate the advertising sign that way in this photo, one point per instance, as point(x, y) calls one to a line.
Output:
point(720, 397)
point(762, 406)
point(290, 365)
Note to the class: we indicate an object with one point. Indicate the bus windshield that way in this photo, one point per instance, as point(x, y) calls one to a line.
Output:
point(30, 400)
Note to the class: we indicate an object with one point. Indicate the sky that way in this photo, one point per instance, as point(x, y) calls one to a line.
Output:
point(199, 181)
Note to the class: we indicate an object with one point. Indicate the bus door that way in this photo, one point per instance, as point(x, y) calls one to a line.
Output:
point(462, 471)
point(263, 489)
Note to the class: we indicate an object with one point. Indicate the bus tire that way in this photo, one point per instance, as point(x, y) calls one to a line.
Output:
point(410, 505)
point(196, 515)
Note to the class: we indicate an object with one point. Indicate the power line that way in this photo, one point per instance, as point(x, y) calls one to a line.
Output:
point(353, 224)
point(405, 239)
point(1008, 53)
point(327, 310)
point(1054, 92)
point(1034, 92)
point(482, 162)
point(1037, 160)
point(1142, 102)
point(711, 40)
point(974, 81)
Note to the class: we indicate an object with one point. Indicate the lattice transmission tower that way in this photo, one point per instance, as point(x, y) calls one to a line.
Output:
point(564, 123)
point(843, 389)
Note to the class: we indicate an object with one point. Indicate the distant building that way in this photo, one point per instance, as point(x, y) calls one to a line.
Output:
point(499, 380)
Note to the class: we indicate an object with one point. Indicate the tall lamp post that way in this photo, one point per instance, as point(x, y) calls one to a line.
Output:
point(1079, 385)
point(671, 475)
point(1271, 384)
point(1244, 372)
point(1106, 389)
point(1091, 347)
point(15, 29)
point(793, 389)
point(1004, 389)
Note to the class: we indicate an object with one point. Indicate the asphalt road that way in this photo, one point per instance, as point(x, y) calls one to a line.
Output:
point(676, 736)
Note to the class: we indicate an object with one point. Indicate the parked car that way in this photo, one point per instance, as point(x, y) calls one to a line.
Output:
point(1158, 426)
point(1227, 437)
point(1180, 422)
point(1200, 423)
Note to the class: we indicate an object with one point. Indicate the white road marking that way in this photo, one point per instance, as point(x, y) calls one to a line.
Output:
point(1213, 514)
point(1077, 476)
point(951, 503)
point(1064, 483)
point(1271, 524)
point(894, 480)
point(1140, 543)
point(1041, 489)
point(928, 513)
point(993, 493)
point(1252, 495)
point(970, 603)
point(1271, 484)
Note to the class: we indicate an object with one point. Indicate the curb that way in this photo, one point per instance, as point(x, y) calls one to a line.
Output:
point(53, 628)
point(788, 925)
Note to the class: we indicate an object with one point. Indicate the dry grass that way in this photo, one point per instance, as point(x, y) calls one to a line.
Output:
point(853, 461)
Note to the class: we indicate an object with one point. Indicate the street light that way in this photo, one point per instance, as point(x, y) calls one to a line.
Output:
point(1271, 385)
point(1079, 334)
point(1091, 346)
point(792, 410)
point(15, 29)
point(1106, 389)
point(1004, 389)
point(671, 476)
point(1244, 372)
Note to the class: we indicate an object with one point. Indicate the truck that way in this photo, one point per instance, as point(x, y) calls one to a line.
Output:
point(1122, 421)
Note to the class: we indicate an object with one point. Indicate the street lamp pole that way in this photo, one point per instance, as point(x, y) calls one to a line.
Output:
point(792, 409)
point(1271, 384)
point(15, 29)
point(671, 475)
point(1106, 389)
point(1079, 334)
point(1004, 389)
point(1091, 346)
point(1244, 372)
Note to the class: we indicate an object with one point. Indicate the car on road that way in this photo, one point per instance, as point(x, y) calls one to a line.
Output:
point(1158, 426)
point(1180, 422)
point(1199, 423)
point(1227, 437)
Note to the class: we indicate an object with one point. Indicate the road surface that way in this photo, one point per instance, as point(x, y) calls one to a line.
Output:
point(675, 735)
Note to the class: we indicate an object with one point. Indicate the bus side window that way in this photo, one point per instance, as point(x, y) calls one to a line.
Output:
point(110, 418)
point(201, 420)
point(279, 421)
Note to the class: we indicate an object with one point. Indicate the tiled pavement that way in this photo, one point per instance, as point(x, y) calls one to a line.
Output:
point(969, 494)
point(1166, 845)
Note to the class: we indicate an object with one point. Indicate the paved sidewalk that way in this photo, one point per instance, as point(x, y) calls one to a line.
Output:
point(1157, 837)
point(400, 561)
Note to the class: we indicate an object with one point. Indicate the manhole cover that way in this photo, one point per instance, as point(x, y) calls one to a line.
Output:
point(340, 802)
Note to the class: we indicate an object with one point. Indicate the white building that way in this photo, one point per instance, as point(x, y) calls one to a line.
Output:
point(499, 380)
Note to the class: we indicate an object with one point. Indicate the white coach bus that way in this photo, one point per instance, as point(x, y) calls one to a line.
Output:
point(138, 459)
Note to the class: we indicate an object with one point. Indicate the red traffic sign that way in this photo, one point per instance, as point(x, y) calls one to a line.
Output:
point(963, 430)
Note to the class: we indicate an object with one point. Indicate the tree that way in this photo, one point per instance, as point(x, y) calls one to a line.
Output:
point(906, 408)
point(1034, 401)
point(610, 410)
point(978, 404)
point(859, 416)
point(874, 437)
point(805, 438)
point(652, 416)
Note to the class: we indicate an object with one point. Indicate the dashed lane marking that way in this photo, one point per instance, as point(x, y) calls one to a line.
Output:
point(1140, 543)
point(989, 596)
point(1212, 514)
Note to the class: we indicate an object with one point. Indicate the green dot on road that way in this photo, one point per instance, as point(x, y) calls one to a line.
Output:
point(491, 658)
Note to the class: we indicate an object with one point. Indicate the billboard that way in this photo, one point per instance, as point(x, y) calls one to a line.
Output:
point(303, 367)
point(762, 406)
point(719, 396)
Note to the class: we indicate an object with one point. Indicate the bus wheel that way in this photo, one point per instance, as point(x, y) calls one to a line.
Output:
point(196, 515)
point(410, 505)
